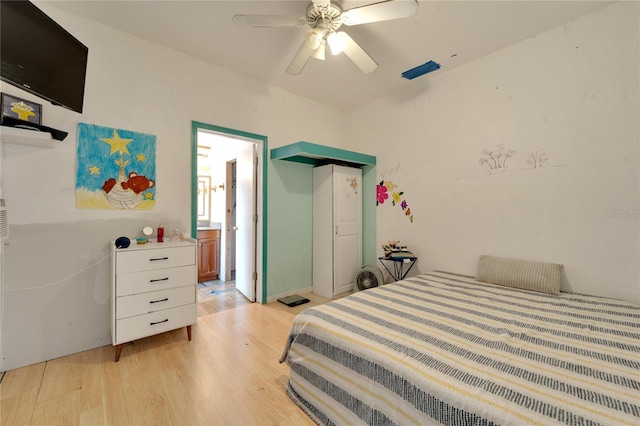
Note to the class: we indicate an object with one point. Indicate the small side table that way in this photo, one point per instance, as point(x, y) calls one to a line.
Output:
point(399, 262)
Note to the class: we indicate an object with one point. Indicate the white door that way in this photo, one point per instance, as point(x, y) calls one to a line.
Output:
point(230, 221)
point(245, 224)
point(347, 220)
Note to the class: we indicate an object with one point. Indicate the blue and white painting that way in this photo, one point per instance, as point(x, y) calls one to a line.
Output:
point(116, 169)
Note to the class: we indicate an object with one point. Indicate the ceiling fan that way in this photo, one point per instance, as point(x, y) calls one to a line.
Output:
point(325, 17)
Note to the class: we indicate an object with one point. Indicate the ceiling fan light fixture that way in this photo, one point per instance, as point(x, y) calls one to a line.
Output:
point(324, 18)
point(318, 53)
point(337, 41)
point(313, 38)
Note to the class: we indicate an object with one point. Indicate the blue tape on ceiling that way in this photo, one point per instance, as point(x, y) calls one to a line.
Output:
point(421, 70)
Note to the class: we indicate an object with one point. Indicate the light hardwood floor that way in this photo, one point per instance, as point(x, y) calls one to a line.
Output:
point(227, 375)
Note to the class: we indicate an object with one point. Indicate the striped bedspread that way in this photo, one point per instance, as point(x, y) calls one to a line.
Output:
point(443, 348)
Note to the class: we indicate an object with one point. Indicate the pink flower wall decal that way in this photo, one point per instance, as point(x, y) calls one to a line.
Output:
point(382, 194)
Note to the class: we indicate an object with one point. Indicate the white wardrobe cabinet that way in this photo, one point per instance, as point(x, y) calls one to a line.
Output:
point(337, 228)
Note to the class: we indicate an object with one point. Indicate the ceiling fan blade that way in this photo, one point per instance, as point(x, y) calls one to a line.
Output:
point(358, 55)
point(300, 59)
point(377, 12)
point(259, 21)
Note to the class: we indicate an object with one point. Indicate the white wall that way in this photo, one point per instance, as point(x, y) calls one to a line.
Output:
point(572, 91)
point(55, 292)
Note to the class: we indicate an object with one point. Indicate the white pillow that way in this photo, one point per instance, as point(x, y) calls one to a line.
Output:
point(523, 274)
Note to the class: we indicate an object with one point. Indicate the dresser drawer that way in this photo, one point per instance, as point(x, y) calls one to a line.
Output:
point(146, 260)
point(161, 279)
point(143, 303)
point(132, 328)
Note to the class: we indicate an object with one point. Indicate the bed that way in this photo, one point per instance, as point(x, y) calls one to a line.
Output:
point(443, 348)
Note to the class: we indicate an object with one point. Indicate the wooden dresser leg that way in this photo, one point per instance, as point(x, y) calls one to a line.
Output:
point(189, 332)
point(119, 351)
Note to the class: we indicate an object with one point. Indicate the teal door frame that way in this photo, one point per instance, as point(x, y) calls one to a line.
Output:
point(195, 127)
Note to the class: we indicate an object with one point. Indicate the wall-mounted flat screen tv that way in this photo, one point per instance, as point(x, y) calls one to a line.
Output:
point(40, 56)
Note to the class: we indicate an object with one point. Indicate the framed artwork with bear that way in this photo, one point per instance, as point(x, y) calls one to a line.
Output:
point(116, 169)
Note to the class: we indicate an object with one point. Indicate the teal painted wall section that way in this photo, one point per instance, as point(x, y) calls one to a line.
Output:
point(289, 227)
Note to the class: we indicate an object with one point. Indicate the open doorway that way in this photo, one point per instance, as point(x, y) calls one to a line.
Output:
point(233, 203)
point(231, 216)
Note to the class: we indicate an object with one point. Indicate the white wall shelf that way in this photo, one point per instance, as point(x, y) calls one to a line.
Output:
point(26, 137)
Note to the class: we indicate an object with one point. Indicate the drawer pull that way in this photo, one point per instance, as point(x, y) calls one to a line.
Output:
point(158, 279)
point(158, 301)
point(159, 322)
point(158, 258)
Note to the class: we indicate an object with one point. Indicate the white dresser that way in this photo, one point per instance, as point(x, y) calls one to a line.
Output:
point(153, 289)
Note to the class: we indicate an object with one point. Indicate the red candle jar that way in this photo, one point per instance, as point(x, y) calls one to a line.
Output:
point(160, 234)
